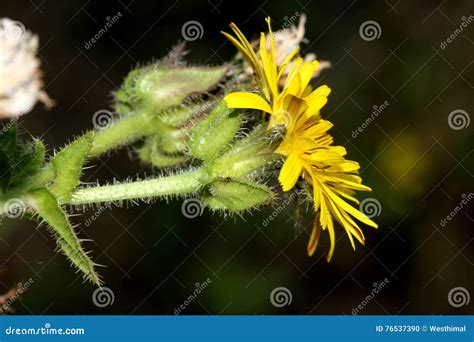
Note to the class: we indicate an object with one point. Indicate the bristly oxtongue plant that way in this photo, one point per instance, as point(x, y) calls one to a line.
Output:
point(225, 132)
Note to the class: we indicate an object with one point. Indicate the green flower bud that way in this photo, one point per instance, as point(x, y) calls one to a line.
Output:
point(166, 143)
point(153, 153)
point(236, 196)
point(159, 87)
point(213, 133)
point(246, 155)
point(155, 95)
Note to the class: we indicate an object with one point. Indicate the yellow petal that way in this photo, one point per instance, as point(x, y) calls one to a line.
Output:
point(346, 166)
point(249, 55)
point(314, 238)
point(324, 214)
point(325, 156)
point(349, 181)
point(351, 210)
point(290, 172)
point(287, 60)
point(292, 83)
point(247, 100)
point(348, 224)
point(306, 73)
point(332, 239)
point(346, 193)
point(246, 44)
point(272, 39)
point(317, 99)
point(292, 109)
point(322, 91)
point(269, 68)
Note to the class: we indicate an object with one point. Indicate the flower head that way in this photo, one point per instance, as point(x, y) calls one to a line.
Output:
point(306, 146)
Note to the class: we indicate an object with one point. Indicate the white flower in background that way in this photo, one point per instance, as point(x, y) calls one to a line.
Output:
point(20, 74)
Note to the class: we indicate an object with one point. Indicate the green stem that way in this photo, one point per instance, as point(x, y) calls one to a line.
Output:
point(122, 132)
point(179, 184)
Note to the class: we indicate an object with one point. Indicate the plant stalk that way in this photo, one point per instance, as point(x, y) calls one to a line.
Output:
point(121, 132)
point(179, 184)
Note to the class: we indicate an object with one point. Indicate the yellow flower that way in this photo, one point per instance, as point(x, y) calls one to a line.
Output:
point(306, 144)
point(309, 153)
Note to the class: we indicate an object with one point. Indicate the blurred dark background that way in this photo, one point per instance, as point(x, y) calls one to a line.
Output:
point(418, 166)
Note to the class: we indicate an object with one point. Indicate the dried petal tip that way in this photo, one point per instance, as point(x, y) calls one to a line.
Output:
point(20, 74)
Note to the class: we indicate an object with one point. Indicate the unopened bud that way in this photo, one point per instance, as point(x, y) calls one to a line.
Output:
point(214, 133)
point(236, 196)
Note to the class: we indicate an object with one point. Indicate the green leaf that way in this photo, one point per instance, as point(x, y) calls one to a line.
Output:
point(47, 207)
point(68, 166)
point(30, 162)
point(8, 144)
point(18, 162)
point(8, 137)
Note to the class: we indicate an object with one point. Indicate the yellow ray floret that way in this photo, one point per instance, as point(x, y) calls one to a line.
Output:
point(306, 146)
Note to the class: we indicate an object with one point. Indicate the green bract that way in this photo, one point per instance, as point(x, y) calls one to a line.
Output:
point(29, 185)
point(230, 195)
point(212, 134)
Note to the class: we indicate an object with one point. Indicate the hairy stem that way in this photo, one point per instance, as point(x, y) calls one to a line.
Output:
point(121, 132)
point(179, 184)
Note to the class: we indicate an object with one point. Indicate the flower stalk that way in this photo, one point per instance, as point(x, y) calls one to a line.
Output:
point(181, 184)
